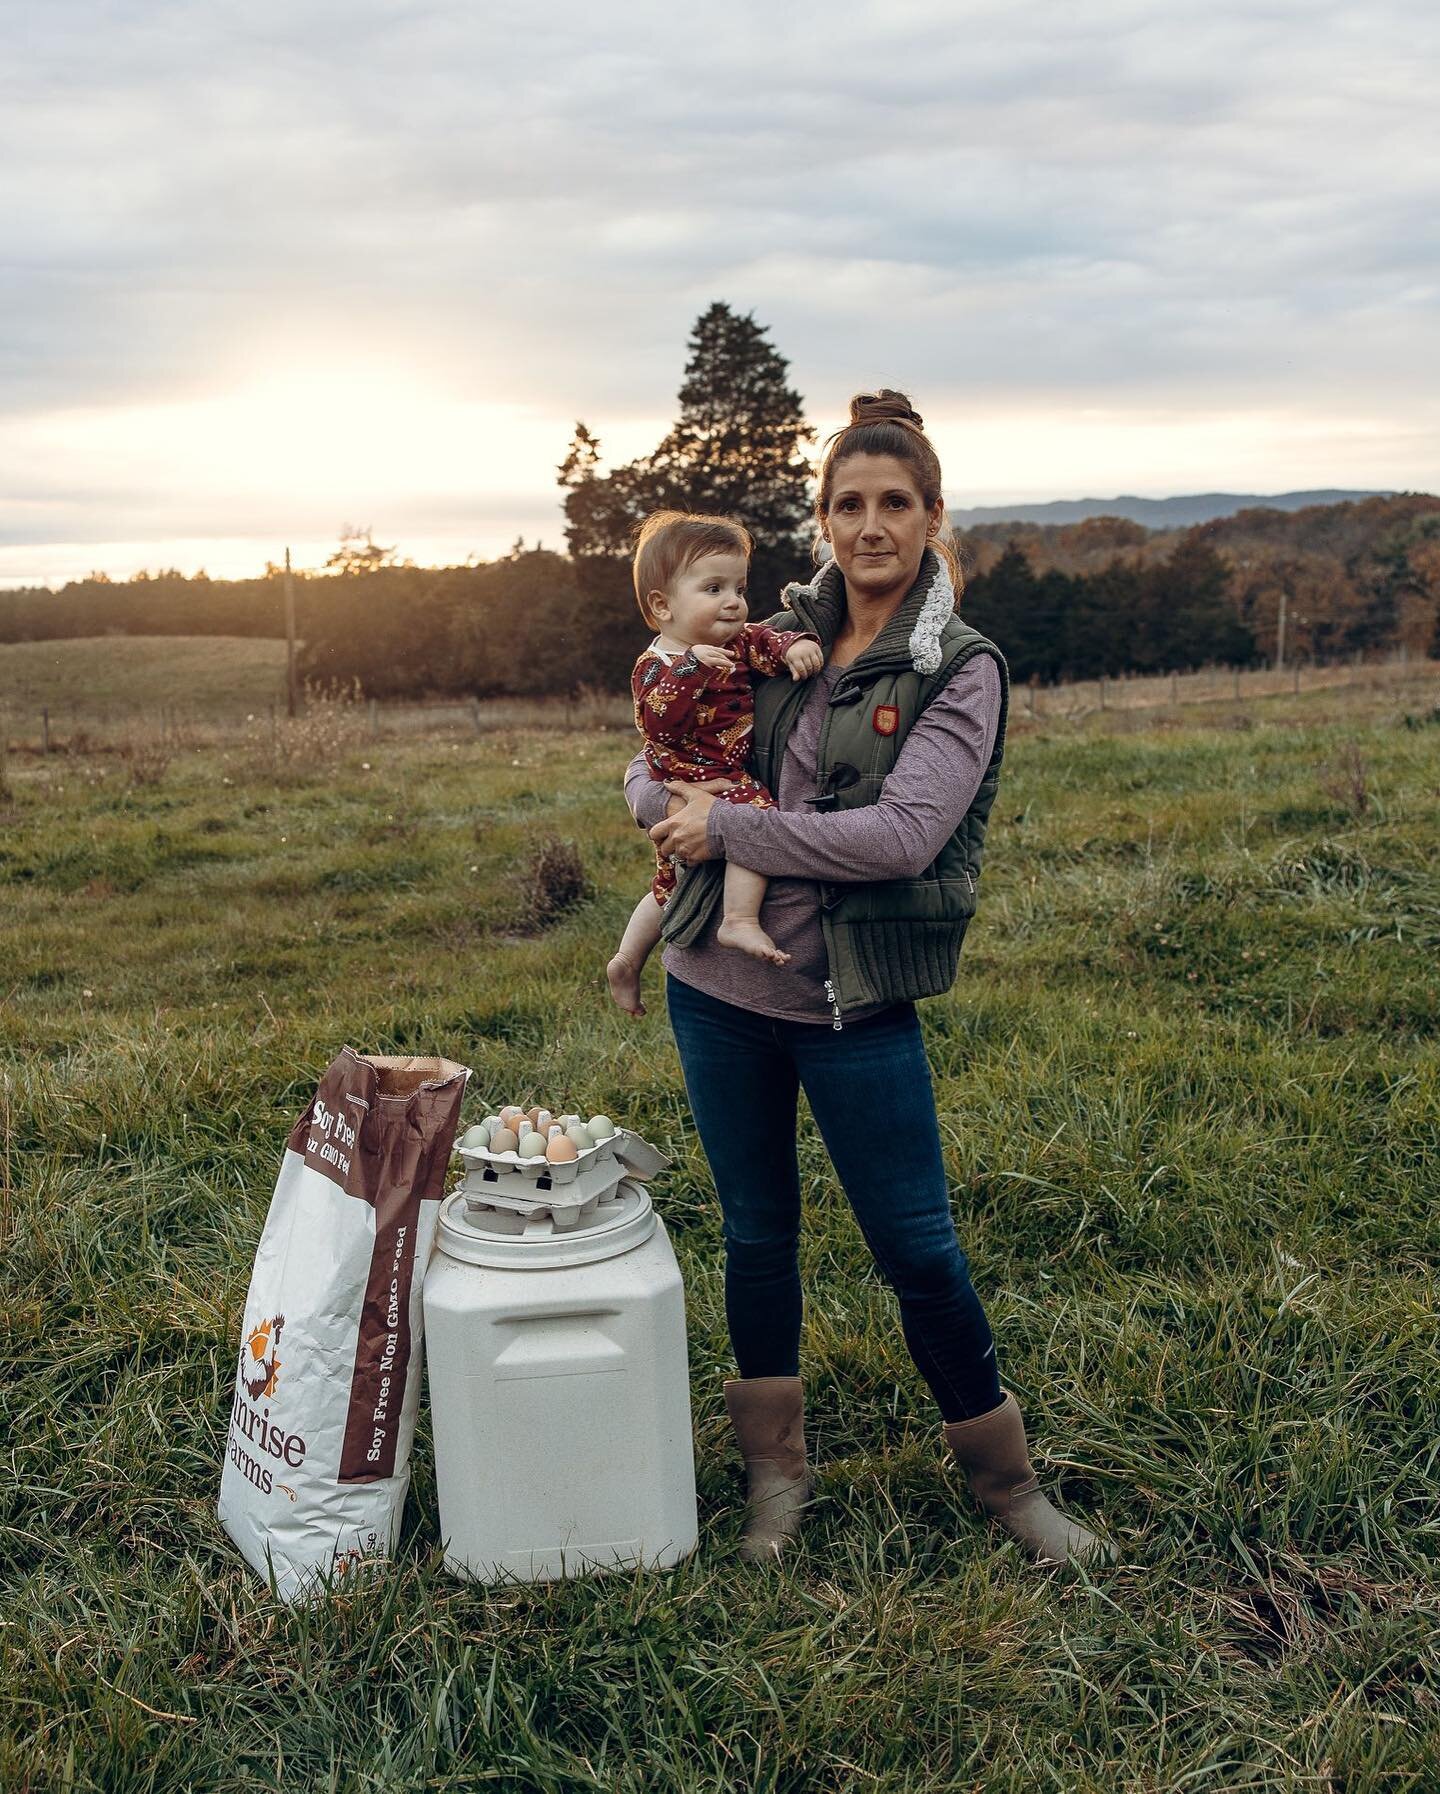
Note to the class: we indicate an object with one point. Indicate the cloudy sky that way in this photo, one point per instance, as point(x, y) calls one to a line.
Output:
point(271, 267)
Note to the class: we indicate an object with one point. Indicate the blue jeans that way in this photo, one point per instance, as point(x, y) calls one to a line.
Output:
point(743, 1073)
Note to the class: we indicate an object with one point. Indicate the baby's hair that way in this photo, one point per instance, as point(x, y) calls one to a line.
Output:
point(886, 423)
point(668, 542)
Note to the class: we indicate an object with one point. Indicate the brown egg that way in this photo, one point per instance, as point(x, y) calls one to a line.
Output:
point(508, 1116)
point(532, 1115)
point(560, 1151)
point(504, 1139)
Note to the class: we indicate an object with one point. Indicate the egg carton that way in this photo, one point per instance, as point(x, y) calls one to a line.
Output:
point(515, 1212)
point(495, 1177)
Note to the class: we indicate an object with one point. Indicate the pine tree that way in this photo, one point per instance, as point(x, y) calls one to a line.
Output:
point(736, 449)
point(1019, 610)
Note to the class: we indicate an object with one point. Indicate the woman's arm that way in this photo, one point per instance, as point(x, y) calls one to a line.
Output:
point(648, 799)
point(932, 784)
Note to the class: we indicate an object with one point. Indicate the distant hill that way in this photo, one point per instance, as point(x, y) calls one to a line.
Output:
point(1154, 513)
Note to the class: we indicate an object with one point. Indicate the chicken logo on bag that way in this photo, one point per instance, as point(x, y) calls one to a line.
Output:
point(254, 1435)
point(262, 1339)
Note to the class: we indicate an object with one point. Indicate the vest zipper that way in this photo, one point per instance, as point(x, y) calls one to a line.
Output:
point(837, 1024)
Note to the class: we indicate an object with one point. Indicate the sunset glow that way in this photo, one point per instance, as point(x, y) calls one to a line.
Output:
point(1107, 253)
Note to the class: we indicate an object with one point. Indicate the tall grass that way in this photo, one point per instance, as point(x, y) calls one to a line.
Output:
point(1188, 1083)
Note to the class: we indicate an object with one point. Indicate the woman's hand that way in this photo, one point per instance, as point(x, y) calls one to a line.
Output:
point(683, 835)
point(675, 803)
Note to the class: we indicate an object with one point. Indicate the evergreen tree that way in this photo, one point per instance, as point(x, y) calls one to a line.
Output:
point(1022, 613)
point(1187, 617)
point(736, 449)
point(1103, 623)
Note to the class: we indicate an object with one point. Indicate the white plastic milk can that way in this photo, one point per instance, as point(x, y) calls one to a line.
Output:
point(559, 1388)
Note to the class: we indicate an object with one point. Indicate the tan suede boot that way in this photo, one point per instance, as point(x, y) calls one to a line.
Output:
point(993, 1453)
point(768, 1414)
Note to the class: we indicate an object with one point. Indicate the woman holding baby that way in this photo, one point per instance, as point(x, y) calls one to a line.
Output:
point(883, 760)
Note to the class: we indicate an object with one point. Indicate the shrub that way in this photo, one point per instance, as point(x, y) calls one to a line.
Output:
point(553, 884)
point(145, 762)
point(1344, 780)
point(330, 724)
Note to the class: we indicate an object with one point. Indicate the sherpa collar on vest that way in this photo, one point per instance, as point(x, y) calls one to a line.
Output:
point(912, 635)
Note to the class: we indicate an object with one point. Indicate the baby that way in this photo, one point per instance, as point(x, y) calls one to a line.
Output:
point(696, 711)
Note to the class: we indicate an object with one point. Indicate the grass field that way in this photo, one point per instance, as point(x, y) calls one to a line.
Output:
point(114, 676)
point(1189, 1087)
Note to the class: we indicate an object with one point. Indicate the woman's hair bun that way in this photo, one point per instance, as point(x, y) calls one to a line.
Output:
point(885, 406)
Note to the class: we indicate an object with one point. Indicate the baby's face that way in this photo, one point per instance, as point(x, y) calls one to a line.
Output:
point(706, 603)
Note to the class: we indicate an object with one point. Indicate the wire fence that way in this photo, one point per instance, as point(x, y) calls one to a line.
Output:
point(110, 725)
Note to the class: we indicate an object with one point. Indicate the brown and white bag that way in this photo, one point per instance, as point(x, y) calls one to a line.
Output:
point(318, 1456)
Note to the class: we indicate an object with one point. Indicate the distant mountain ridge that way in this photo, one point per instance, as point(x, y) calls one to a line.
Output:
point(1155, 513)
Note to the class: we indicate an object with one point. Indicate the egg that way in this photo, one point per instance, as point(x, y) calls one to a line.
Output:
point(561, 1150)
point(568, 1121)
point(532, 1147)
point(601, 1127)
point(509, 1115)
point(504, 1139)
point(543, 1118)
point(477, 1137)
point(532, 1115)
point(580, 1136)
point(491, 1122)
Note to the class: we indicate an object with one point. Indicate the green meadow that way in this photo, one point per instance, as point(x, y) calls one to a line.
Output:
point(94, 678)
point(1189, 1088)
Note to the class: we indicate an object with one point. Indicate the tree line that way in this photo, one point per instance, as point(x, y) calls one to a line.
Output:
point(1105, 596)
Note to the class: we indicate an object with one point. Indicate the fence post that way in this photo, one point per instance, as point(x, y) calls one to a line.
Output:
point(1235, 682)
point(373, 710)
point(290, 696)
point(1297, 678)
point(1102, 691)
point(44, 731)
point(1174, 688)
point(1030, 697)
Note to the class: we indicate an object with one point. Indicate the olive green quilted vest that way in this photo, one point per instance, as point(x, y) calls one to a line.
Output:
point(893, 939)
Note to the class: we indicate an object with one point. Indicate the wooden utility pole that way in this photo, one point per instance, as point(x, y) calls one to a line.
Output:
point(1280, 631)
point(289, 638)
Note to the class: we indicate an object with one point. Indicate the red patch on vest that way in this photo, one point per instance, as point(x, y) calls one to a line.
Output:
point(886, 719)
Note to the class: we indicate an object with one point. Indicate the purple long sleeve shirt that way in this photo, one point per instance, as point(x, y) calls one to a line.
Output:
point(932, 784)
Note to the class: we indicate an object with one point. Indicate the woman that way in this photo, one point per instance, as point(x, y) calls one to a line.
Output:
point(884, 767)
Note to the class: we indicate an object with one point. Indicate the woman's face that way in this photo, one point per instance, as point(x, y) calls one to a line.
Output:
point(878, 525)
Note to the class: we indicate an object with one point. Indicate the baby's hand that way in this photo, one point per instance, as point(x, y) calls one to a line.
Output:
point(713, 657)
point(804, 659)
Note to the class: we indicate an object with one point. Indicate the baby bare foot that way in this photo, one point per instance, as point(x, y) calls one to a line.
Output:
point(624, 980)
point(751, 938)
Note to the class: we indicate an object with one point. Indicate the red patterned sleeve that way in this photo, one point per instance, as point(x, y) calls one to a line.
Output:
point(666, 696)
point(763, 649)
